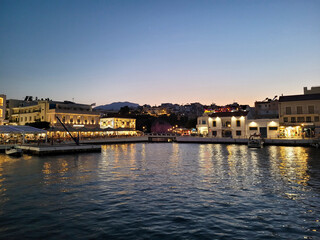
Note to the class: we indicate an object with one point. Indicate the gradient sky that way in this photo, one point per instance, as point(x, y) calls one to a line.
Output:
point(151, 52)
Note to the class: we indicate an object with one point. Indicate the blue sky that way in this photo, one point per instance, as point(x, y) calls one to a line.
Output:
point(158, 51)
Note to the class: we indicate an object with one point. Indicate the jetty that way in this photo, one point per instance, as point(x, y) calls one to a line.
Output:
point(59, 149)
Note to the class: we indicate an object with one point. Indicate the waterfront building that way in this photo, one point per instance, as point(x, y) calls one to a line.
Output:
point(299, 115)
point(223, 124)
point(70, 113)
point(266, 128)
point(2, 108)
point(119, 126)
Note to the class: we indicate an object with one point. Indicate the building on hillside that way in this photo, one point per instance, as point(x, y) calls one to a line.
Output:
point(299, 115)
point(2, 108)
point(70, 113)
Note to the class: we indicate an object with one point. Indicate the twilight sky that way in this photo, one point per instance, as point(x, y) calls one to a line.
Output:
point(158, 51)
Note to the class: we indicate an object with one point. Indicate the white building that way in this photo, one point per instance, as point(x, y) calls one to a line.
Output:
point(236, 125)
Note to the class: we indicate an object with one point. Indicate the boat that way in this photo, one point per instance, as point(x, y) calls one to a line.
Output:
point(255, 141)
point(13, 151)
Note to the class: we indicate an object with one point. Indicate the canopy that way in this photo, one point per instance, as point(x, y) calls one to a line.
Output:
point(20, 129)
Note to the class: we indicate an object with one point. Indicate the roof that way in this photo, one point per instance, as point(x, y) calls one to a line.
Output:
point(20, 129)
point(299, 97)
point(229, 114)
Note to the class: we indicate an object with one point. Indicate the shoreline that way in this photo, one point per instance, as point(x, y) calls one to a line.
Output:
point(94, 145)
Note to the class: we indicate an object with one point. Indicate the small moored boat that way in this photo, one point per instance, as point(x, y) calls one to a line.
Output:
point(255, 141)
point(13, 151)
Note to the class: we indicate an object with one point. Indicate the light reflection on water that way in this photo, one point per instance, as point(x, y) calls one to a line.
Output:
point(163, 191)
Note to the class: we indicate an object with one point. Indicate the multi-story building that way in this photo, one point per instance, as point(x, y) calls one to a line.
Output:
point(223, 124)
point(268, 108)
point(118, 126)
point(299, 115)
point(115, 123)
point(70, 113)
point(2, 108)
point(240, 121)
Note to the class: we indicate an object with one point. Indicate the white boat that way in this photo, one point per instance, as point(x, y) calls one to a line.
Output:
point(13, 151)
point(255, 141)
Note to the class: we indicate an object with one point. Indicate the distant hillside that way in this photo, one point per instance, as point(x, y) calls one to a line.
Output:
point(116, 106)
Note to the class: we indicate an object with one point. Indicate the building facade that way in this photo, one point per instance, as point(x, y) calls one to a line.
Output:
point(299, 116)
point(71, 114)
point(2, 108)
point(223, 124)
point(114, 122)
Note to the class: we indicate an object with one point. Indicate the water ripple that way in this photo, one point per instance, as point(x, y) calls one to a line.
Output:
point(163, 191)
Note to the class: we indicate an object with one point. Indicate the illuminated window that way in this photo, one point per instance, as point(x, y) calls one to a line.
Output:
point(0, 112)
point(1, 101)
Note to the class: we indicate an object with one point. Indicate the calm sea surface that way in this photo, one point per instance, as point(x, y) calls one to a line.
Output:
point(163, 191)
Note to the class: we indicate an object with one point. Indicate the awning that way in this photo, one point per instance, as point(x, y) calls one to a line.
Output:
point(20, 129)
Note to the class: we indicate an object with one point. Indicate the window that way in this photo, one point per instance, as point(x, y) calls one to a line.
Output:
point(71, 120)
point(253, 128)
point(238, 133)
point(214, 123)
point(288, 110)
point(92, 121)
point(299, 110)
point(238, 123)
point(203, 121)
point(311, 109)
point(21, 119)
point(285, 119)
point(214, 133)
point(308, 119)
point(316, 119)
point(25, 119)
point(273, 128)
point(30, 118)
point(300, 119)
point(293, 119)
point(199, 121)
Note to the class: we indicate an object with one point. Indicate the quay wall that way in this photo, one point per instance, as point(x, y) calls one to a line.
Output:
point(278, 142)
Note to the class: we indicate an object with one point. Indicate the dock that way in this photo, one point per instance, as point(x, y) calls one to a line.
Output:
point(59, 149)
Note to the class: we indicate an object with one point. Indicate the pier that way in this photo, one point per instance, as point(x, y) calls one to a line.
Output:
point(59, 149)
